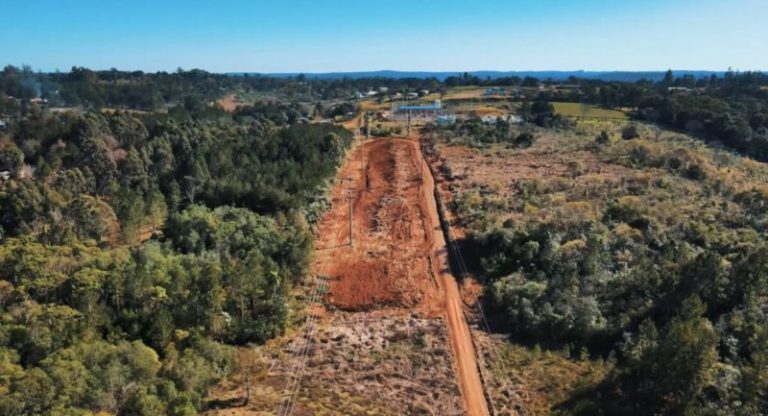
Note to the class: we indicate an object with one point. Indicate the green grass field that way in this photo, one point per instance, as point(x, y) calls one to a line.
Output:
point(587, 110)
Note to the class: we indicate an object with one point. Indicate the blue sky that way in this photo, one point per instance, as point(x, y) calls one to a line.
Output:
point(359, 35)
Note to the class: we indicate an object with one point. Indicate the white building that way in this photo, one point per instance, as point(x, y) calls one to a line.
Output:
point(491, 119)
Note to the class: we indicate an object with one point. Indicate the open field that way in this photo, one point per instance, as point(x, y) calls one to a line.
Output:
point(470, 92)
point(368, 363)
point(586, 110)
point(487, 180)
point(481, 108)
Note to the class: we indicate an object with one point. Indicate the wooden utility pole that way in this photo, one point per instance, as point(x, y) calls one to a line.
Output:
point(362, 152)
point(409, 123)
point(248, 381)
point(350, 199)
point(350, 195)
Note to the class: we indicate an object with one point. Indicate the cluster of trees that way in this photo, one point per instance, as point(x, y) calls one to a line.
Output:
point(467, 79)
point(684, 318)
point(474, 132)
point(113, 88)
point(738, 122)
point(135, 249)
point(731, 110)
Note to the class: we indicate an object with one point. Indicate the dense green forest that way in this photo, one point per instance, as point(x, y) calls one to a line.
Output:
point(137, 248)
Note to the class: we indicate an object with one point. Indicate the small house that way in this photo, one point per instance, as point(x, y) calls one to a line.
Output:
point(491, 119)
point(3, 125)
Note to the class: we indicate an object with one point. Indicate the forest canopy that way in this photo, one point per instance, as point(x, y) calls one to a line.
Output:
point(137, 249)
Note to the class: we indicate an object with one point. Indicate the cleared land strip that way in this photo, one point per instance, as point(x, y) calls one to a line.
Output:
point(399, 257)
point(391, 337)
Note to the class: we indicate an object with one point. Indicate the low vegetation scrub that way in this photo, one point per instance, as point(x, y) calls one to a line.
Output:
point(660, 267)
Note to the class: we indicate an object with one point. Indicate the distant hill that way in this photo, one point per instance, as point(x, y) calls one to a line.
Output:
point(628, 76)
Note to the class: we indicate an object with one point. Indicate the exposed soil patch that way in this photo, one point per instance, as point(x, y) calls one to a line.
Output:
point(392, 338)
point(389, 263)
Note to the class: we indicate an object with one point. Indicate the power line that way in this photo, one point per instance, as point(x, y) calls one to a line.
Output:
point(301, 366)
point(286, 406)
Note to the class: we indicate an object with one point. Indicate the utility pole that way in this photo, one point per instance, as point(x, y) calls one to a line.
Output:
point(350, 195)
point(350, 199)
point(362, 152)
point(409, 123)
point(248, 381)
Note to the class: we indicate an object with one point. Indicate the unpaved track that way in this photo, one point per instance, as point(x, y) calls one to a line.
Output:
point(398, 260)
point(458, 330)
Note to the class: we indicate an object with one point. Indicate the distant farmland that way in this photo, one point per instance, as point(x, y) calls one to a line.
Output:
point(587, 110)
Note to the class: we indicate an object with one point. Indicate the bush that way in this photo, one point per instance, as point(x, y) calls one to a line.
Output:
point(630, 132)
point(524, 139)
point(603, 138)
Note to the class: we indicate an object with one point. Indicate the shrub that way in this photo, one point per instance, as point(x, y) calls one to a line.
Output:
point(524, 139)
point(603, 138)
point(630, 132)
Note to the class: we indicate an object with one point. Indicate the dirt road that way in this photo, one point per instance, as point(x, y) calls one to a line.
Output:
point(398, 259)
point(460, 336)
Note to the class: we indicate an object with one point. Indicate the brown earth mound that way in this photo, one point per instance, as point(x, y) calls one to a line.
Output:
point(389, 262)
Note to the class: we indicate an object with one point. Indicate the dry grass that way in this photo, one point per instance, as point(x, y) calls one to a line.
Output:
point(549, 377)
point(586, 110)
point(358, 364)
point(563, 168)
point(481, 109)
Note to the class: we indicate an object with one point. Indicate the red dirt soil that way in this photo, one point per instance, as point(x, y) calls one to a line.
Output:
point(398, 259)
point(390, 261)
